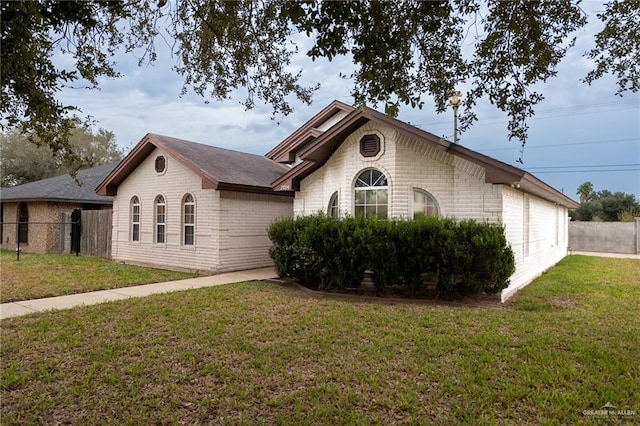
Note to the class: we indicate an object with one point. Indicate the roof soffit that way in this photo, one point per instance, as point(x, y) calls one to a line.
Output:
point(285, 151)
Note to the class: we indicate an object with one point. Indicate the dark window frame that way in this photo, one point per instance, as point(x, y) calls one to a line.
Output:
point(23, 223)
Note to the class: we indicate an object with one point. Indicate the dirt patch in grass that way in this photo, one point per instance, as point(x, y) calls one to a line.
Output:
point(562, 302)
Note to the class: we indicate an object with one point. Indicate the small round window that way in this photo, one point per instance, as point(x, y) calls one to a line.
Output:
point(161, 164)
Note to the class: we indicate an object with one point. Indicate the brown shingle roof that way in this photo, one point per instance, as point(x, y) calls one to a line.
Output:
point(219, 168)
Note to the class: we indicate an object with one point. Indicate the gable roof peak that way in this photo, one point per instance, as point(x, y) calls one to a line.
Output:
point(218, 168)
point(285, 151)
point(316, 152)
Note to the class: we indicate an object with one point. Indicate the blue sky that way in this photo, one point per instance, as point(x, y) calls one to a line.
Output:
point(580, 132)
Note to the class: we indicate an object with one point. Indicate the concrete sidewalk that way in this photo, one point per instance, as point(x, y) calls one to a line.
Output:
point(14, 309)
point(615, 255)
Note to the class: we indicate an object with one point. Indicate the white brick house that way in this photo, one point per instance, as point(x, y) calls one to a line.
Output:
point(350, 161)
point(184, 205)
point(187, 206)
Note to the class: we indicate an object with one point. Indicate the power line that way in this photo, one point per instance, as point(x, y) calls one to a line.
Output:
point(564, 144)
point(585, 171)
point(585, 166)
point(571, 111)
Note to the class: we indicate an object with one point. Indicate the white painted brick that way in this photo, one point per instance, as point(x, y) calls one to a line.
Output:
point(218, 221)
point(457, 185)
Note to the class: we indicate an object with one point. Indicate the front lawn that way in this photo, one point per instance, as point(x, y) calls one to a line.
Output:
point(255, 353)
point(46, 275)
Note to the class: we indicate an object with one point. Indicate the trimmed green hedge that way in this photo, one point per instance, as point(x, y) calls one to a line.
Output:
point(465, 256)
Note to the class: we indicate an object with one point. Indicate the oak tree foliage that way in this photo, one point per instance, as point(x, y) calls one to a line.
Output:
point(405, 52)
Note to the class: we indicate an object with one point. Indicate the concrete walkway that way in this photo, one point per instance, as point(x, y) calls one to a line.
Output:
point(14, 309)
point(616, 255)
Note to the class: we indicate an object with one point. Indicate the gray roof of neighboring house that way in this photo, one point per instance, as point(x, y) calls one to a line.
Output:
point(63, 188)
point(218, 168)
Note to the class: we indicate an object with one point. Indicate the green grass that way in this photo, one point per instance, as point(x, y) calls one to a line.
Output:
point(254, 353)
point(46, 275)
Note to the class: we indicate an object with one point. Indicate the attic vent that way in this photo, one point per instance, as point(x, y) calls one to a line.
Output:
point(369, 145)
point(161, 163)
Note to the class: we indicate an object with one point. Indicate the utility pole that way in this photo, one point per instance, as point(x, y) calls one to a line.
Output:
point(454, 101)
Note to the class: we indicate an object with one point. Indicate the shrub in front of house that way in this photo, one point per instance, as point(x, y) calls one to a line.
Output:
point(474, 258)
point(419, 245)
point(292, 251)
point(343, 246)
point(464, 257)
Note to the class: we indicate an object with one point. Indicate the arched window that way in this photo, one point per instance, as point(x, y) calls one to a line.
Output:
point(371, 194)
point(135, 219)
point(23, 223)
point(424, 204)
point(332, 210)
point(161, 217)
point(188, 220)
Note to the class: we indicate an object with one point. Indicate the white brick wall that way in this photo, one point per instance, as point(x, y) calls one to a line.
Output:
point(173, 184)
point(457, 185)
point(243, 221)
point(538, 241)
point(230, 227)
point(535, 228)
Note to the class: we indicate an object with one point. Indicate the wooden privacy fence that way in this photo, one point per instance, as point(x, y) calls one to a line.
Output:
point(95, 234)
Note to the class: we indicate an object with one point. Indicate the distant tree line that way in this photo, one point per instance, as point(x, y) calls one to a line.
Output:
point(605, 206)
point(24, 162)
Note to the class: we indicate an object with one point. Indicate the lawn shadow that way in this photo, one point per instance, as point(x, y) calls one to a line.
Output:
point(367, 294)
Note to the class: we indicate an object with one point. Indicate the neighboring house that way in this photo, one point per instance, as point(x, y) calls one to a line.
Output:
point(187, 206)
point(184, 205)
point(38, 214)
point(350, 161)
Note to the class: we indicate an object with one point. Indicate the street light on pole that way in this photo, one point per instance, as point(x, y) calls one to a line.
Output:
point(454, 101)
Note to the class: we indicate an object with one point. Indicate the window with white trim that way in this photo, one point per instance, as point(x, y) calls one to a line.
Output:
point(188, 220)
point(161, 219)
point(135, 218)
point(424, 204)
point(371, 194)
